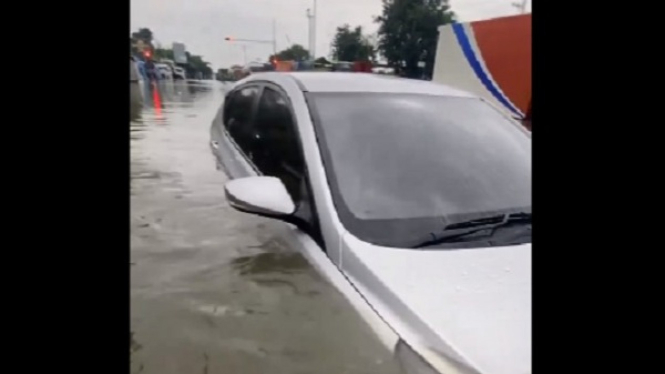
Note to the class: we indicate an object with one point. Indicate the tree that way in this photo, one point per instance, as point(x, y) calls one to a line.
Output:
point(223, 75)
point(163, 53)
point(408, 33)
point(351, 45)
point(195, 64)
point(144, 34)
point(295, 52)
point(140, 38)
point(322, 61)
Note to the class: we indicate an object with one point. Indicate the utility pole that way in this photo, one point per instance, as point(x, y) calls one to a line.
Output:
point(311, 16)
point(313, 51)
point(274, 37)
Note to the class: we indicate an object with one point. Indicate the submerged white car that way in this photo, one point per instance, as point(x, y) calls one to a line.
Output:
point(414, 199)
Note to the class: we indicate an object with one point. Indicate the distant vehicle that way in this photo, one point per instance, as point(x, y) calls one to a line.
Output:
point(383, 70)
point(362, 66)
point(237, 72)
point(342, 66)
point(168, 62)
point(255, 67)
point(413, 198)
point(164, 71)
point(179, 73)
point(283, 65)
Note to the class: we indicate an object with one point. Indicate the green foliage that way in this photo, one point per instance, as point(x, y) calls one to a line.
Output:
point(351, 45)
point(224, 75)
point(295, 52)
point(163, 53)
point(143, 34)
point(408, 33)
point(322, 61)
point(196, 64)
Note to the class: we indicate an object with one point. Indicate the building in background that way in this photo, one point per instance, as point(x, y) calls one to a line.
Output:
point(179, 53)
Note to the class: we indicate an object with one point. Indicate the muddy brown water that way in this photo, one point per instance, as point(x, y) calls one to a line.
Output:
point(214, 290)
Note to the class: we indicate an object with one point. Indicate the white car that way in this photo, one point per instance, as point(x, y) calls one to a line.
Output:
point(179, 73)
point(164, 71)
point(412, 197)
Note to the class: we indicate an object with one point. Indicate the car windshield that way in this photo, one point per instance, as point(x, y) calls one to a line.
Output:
point(403, 165)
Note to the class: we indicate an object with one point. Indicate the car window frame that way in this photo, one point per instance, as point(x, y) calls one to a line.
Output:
point(262, 85)
point(294, 126)
point(314, 229)
point(252, 115)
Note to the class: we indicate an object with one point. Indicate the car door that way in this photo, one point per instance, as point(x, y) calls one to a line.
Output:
point(275, 150)
point(232, 129)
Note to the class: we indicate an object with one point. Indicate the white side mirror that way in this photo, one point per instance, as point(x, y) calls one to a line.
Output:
point(266, 196)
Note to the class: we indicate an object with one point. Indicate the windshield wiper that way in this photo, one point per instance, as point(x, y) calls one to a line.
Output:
point(458, 230)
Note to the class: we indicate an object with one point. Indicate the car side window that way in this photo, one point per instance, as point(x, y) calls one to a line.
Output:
point(228, 104)
point(238, 115)
point(275, 147)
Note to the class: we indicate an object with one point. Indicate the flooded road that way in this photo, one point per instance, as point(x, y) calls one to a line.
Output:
point(214, 290)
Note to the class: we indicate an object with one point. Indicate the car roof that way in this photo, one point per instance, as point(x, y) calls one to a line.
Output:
point(360, 82)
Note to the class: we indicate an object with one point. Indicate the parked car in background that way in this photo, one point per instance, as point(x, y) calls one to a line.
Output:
point(383, 70)
point(164, 71)
point(179, 73)
point(342, 66)
point(413, 198)
point(256, 67)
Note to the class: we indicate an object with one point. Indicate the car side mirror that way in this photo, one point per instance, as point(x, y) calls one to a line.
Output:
point(264, 196)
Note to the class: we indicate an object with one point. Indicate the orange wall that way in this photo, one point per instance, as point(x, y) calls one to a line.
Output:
point(505, 45)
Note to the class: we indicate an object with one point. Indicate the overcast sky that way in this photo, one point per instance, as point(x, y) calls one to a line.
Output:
point(202, 24)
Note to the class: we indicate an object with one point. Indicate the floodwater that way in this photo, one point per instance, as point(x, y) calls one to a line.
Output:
point(214, 290)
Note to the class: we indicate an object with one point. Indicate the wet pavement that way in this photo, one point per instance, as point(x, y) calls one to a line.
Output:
point(214, 290)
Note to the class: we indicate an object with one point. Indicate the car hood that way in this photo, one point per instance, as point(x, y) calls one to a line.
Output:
point(471, 305)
